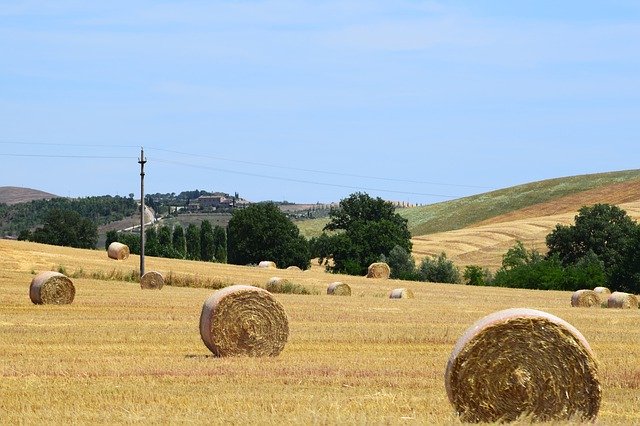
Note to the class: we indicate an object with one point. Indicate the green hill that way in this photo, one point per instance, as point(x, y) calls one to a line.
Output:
point(463, 212)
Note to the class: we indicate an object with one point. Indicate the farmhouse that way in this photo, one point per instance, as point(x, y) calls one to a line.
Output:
point(216, 201)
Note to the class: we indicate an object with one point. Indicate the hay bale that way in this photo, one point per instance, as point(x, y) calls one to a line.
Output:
point(523, 364)
point(293, 268)
point(339, 289)
point(401, 293)
point(276, 284)
point(621, 300)
point(603, 294)
point(585, 299)
point(51, 288)
point(378, 270)
point(267, 264)
point(152, 280)
point(118, 251)
point(243, 320)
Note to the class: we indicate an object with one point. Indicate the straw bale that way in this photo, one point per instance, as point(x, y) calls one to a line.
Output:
point(523, 364)
point(118, 251)
point(585, 299)
point(603, 294)
point(401, 293)
point(276, 284)
point(243, 320)
point(339, 289)
point(621, 300)
point(378, 270)
point(51, 287)
point(152, 280)
point(294, 268)
point(267, 264)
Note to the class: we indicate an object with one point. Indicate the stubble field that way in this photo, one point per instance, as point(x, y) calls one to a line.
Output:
point(119, 354)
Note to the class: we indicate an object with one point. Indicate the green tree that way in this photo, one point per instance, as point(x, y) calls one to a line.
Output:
point(207, 248)
point(477, 275)
point(67, 228)
point(151, 242)
point(164, 236)
point(179, 241)
point(438, 269)
point(220, 244)
point(193, 242)
point(402, 264)
point(111, 237)
point(367, 228)
point(262, 232)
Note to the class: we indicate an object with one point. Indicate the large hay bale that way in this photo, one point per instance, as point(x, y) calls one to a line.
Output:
point(585, 299)
point(523, 364)
point(294, 268)
point(51, 287)
point(622, 300)
point(243, 320)
point(378, 270)
point(267, 264)
point(276, 284)
point(603, 294)
point(339, 289)
point(151, 280)
point(401, 293)
point(118, 251)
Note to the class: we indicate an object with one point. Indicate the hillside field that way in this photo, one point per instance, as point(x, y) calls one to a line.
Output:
point(119, 354)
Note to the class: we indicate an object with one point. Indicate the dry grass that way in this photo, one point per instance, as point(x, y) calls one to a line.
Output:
point(122, 355)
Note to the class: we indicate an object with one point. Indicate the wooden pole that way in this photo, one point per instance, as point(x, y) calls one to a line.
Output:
point(142, 161)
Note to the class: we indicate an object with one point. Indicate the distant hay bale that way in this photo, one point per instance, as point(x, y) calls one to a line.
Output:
point(243, 320)
point(339, 289)
point(378, 270)
point(152, 280)
point(118, 251)
point(267, 264)
point(401, 293)
point(523, 364)
point(603, 294)
point(585, 299)
point(621, 300)
point(293, 268)
point(51, 288)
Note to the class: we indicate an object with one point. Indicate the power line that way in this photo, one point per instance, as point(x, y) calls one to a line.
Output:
point(69, 144)
point(335, 185)
point(99, 157)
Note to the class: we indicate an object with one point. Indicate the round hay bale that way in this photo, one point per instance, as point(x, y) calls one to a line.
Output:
point(243, 320)
point(339, 289)
point(267, 264)
point(401, 293)
point(293, 268)
point(378, 270)
point(51, 288)
point(585, 299)
point(523, 364)
point(118, 251)
point(621, 300)
point(603, 294)
point(152, 280)
point(276, 284)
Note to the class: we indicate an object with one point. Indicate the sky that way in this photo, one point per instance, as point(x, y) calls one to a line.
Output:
point(310, 101)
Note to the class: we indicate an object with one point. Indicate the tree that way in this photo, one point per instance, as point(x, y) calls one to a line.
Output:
point(151, 243)
point(193, 242)
point(402, 264)
point(207, 249)
point(178, 241)
point(111, 237)
point(263, 232)
point(220, 244)
point(477, 275)
point(67, 228)
point(608, 233)
point(438, 269)
point(367, 229)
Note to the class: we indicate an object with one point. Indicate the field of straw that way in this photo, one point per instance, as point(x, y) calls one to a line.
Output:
point(120, 354)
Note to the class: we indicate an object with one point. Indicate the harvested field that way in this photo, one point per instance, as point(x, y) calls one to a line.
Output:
point(348, 360)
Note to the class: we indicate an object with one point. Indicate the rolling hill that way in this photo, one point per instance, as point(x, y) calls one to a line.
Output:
point(14, 195)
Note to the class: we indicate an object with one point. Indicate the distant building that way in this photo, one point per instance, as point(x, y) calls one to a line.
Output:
point(216, 201)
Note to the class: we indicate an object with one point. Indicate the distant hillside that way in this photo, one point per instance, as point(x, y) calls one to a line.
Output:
point(14, 195)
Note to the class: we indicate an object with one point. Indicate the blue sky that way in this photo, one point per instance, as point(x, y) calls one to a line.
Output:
point(309, 101)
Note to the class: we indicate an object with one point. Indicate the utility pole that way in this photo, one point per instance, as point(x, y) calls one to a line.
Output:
point(142, 161)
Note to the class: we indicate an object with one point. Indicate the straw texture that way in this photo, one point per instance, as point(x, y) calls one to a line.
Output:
point(51, 287)
point(523, 364)
point(152, 280)
point(267, 264)
point(243, 320)
point(603, 294)
point(401, 293)
point(621, 300)
point(339, 289)
point(378, 270)
point(118, 251)
point(585, 299)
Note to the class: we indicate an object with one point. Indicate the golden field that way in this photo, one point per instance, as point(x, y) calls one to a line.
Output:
point(120, 355)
